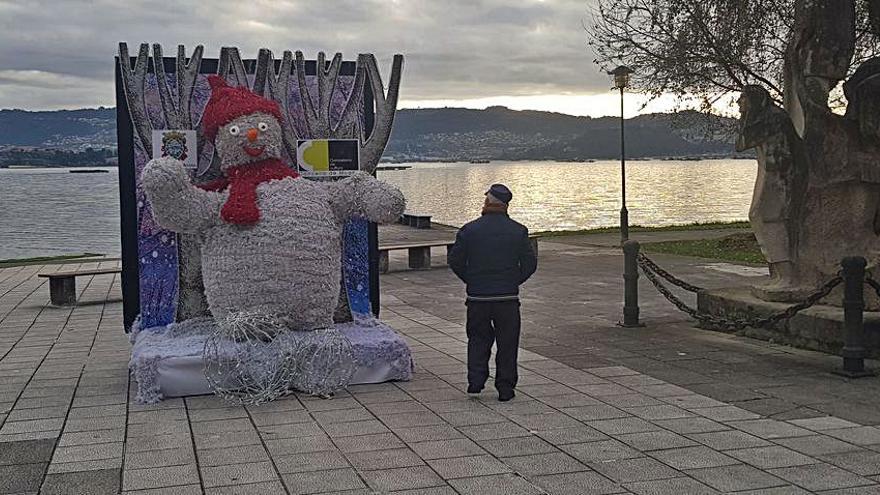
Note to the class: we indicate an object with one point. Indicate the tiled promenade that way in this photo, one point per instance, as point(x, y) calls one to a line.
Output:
point(585, 421)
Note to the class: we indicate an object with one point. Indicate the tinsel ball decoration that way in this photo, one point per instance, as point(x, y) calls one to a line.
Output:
point(247, 360)
point(326, 362)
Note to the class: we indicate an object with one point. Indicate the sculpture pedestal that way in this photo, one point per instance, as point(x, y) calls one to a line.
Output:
point(167, 361)
point(779, 293)
point(819, 328)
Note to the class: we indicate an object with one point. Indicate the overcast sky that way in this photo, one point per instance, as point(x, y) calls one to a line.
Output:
point(520, 53)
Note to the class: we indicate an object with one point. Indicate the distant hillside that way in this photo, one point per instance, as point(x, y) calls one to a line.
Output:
point(63, 129)
point(46, 157)
point(501, 133)
point(496, 133)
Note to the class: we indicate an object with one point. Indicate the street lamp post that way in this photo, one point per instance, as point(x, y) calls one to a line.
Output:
point(621, 81)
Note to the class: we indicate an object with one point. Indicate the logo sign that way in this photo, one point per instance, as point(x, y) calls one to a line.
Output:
point(178, 144)
point(327, 156)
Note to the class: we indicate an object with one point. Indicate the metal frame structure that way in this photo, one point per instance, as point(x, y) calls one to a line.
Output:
point(370, 123)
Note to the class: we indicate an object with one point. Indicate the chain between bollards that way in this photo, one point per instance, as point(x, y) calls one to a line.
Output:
point(852, 276)
point(631, 284)
point(853, 318)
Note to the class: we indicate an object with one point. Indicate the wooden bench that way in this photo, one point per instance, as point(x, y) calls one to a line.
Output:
point(62, 285)
point(416, 221)
point(420, 252)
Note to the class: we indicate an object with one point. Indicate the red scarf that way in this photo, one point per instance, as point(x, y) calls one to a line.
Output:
point(241, 208)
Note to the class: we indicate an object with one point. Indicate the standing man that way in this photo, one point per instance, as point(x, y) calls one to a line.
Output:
point(493, 256)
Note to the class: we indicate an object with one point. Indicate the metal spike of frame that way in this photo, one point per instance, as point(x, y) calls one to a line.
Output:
point(177, 113)
point(349, 125)
point(276, 86)
point(373, 146)
point(230, 59)
point(317, 115)
point(133, 80)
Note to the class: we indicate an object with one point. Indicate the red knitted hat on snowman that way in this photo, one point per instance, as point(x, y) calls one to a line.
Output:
point(227, 103)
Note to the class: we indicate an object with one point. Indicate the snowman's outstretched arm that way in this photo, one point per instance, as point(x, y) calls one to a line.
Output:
point(362, 195)
point(177, 204)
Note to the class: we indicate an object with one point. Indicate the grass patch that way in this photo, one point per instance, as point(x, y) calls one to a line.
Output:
point(740, 248)
point(44, 259)
point(639, 228)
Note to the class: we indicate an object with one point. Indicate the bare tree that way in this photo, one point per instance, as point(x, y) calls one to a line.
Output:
point(710, 48)
point(793, 61)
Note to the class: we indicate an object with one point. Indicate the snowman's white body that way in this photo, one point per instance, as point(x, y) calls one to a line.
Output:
point(289, 263)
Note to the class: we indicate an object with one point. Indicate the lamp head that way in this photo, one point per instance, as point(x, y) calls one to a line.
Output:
point(621, 76)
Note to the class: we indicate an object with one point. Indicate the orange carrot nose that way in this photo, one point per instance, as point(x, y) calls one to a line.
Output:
point(252, 134)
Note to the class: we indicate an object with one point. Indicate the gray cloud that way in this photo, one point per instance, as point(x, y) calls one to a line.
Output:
point(455, 49)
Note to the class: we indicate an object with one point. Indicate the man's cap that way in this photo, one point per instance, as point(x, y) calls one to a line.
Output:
point(501, 192)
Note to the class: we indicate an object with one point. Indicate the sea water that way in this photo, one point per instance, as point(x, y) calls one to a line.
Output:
point(46, 212)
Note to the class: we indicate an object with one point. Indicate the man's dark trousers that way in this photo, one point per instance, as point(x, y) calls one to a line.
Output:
point(487, 322)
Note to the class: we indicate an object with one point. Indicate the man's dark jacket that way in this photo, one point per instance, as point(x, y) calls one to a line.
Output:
point(493, 256)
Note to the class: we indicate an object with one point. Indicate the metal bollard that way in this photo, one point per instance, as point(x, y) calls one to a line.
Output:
point(853, 317)
point(631, 284)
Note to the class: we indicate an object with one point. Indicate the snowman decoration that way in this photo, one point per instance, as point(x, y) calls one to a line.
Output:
point(271, 241)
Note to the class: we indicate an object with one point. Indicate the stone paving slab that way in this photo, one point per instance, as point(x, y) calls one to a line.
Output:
point(70, 424)
point(571, 307)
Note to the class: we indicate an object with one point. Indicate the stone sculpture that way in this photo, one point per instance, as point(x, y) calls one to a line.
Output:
point(823, 168)
point(779, 185)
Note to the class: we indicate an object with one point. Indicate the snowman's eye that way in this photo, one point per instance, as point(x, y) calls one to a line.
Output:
point(234, 130)
point(262, 126)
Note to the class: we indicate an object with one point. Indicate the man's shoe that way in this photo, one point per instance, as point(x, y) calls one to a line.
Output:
point(474, 389)
point(505, 395)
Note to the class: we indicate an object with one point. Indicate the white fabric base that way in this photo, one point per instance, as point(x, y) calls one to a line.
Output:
point(184, 375)
point(168, 362)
